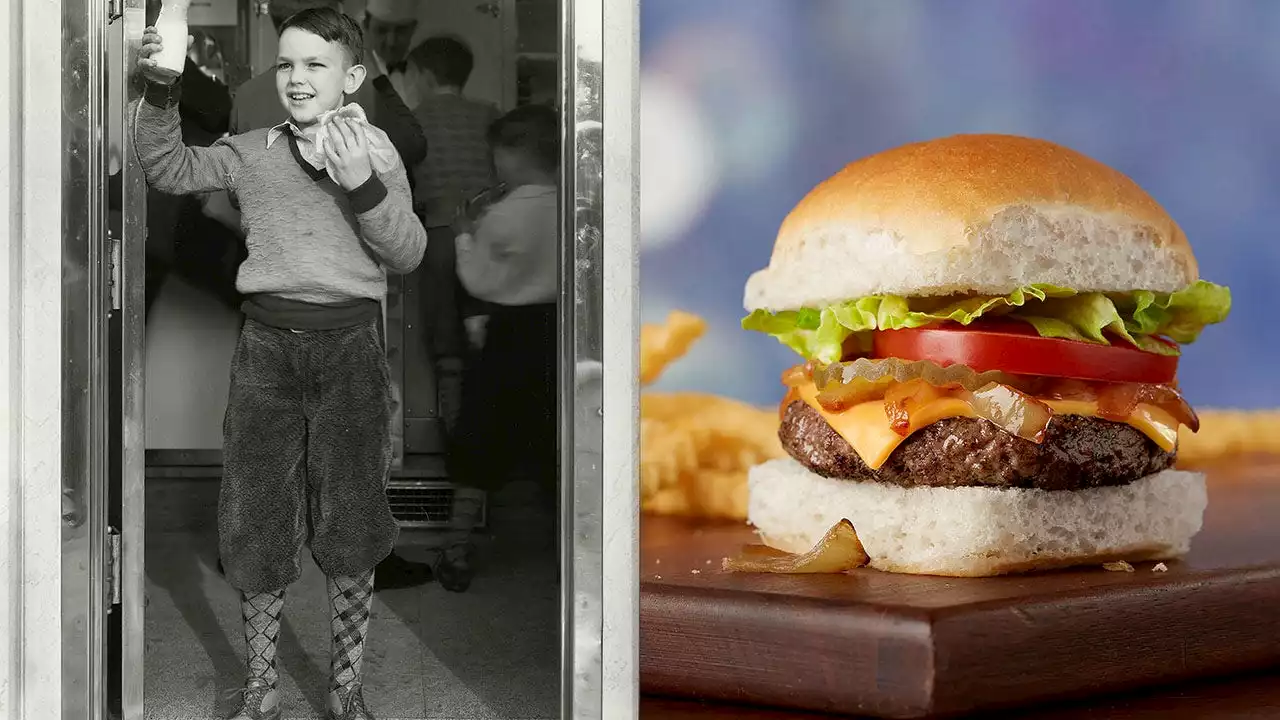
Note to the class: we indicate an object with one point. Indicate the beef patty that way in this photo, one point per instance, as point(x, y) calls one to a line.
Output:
point(1077, 452)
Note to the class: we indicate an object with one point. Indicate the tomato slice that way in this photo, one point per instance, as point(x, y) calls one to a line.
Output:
point(1016, 348)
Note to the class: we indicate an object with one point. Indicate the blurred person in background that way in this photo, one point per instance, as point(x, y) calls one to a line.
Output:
point(459, 165)
point(206, 53)
point(389, 26)
point(508, 257)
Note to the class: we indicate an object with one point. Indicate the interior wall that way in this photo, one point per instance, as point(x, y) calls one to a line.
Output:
point(191, 337)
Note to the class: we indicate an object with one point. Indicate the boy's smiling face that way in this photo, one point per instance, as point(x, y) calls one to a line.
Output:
point(313, 75)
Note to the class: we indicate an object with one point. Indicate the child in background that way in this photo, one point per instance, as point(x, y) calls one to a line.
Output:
point(509, 258)
point(458, 165)
point(307, 431)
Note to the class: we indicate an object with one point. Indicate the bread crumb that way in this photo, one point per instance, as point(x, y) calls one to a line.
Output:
point(695, 571)
point(1159, 567)
point(657, 577)
point(657, 561)
point(708, 562)
point(1118, 566)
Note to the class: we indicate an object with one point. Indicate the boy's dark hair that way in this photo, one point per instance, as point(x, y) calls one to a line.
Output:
point(331, 25)
point(534, 129)
point(281, 10)
point(447, 58)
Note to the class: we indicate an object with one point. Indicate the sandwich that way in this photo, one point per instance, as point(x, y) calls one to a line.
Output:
point(383, 156)
point(350, 111)
point(989, 330)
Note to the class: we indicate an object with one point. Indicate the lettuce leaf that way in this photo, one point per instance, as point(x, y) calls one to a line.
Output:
point(1136, 318)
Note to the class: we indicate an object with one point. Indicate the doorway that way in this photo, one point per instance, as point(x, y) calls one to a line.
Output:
point(142, 587)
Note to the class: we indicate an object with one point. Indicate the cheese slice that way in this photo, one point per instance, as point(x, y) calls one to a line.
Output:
point(865, 426)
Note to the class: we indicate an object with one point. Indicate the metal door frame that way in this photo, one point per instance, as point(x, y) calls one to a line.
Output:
point(599, 402)
point(131, 292)
point(84, 317)
point(103, 443)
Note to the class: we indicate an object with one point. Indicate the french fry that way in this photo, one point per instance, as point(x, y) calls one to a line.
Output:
point(696, 448)
point(719, 494)
point(660, 345)
point(666, 455)
point(671, 501)
point(725, 415)
point(1225, 433)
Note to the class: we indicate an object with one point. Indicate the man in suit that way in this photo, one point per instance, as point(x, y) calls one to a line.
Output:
point(389, 27)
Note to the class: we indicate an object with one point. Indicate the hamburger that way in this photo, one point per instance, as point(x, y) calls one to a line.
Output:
point(989, 330)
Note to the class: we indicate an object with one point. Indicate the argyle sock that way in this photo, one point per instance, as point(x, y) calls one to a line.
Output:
point(351, 599)
point(261, 613)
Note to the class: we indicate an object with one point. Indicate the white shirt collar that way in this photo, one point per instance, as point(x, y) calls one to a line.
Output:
point(274, 133)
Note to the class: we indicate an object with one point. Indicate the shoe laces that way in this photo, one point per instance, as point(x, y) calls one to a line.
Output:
point(250, 696)
point(353, 707)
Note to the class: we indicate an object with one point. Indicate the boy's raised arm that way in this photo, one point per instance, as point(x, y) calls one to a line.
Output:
point(171, 166)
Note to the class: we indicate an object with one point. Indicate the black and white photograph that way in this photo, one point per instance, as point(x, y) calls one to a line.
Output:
point(305, 360)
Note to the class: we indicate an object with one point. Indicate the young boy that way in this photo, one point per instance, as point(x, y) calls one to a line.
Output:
point(256, 106)
point(307, 431)
point(459, 165)
point(510, 258)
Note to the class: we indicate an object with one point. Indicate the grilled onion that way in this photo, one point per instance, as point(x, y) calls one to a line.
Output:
point(1117, 401)
point(838, 551)
point(1011, 410)
point(901, 400)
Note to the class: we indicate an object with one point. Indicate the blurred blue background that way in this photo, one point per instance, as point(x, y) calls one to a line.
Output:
point(746, 105)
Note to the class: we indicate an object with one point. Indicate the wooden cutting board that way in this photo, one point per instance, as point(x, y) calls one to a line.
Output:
point(902, 646)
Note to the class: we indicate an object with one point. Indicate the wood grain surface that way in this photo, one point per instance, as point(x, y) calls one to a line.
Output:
point(1251, 697)
point(878, 644)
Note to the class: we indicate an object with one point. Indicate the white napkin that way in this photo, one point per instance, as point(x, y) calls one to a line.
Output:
point(382, 153)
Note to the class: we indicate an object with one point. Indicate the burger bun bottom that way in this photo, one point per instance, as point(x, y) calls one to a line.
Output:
point(979, 531)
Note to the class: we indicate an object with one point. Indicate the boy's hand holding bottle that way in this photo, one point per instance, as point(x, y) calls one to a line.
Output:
point(152, 45)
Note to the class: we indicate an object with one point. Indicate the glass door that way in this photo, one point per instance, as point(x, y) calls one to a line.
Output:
point(103, 236)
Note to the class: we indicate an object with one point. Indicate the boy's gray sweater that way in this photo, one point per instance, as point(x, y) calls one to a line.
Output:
point(309, 241)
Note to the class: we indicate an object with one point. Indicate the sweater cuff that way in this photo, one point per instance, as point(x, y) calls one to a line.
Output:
point(163, 96)
point(367, 196)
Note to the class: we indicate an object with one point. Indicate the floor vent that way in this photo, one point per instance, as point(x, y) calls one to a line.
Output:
point(425, 504)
